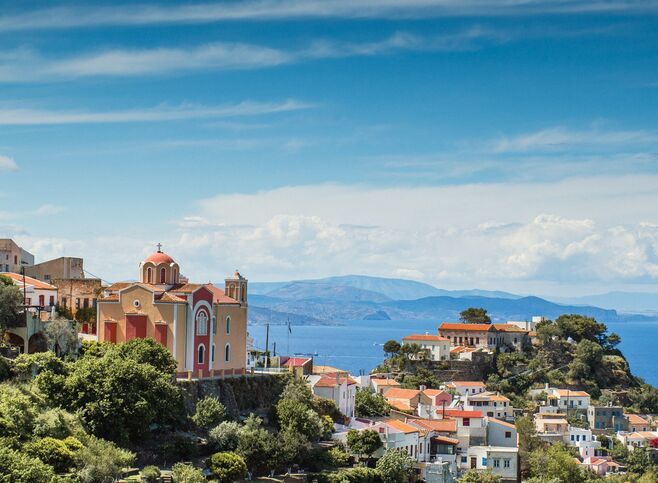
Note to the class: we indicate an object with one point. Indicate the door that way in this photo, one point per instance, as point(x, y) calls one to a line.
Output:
point(473, 462)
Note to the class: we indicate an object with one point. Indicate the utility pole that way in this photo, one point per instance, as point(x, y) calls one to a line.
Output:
point(24, 296)
point(267, 344)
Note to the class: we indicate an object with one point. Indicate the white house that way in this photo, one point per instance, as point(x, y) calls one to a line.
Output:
point(501, 433)
point(37, 293)
point(381, 385)
point(503, 461)
point(464, 388)
point(492, 404)
point(437, 347)
point(340, 388)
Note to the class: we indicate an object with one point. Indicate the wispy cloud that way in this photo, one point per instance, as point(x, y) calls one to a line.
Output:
point(557, 138)
point(277, 10)
point(7, 163)
point(48, 209)
point(25, 65)
point(15, 117)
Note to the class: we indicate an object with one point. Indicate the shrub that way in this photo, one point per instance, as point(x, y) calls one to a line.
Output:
point(53, 452)
point(58, 423)
point(183, 473)
point(224, 436)
point(227, 467)
point(395, 466)
point(209, 412)
point(17, 467)
point(178, 447)
point(355, 475)
point(101, 460)
point(337, 457)
point(151, 474)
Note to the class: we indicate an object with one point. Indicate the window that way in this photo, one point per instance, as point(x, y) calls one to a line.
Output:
point(77, 303)
point(201, 354)
point(508, 434)
point(214, 324)
point(496, 463)
point(163, 275)
point(173, 275)
point(477, 340)
point(466, 421)
point(64, 301)
point(149, 275)
point(85, 303)
point(201, 323)
point(464, 459)
point(228, 325)
point(52, 300)
point(227, 353)
point(506, 463)
point(212, 353)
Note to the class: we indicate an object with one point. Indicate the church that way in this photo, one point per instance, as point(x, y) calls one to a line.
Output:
point(203, 326)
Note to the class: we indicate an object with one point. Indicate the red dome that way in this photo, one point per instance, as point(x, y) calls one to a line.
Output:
point(159, 257)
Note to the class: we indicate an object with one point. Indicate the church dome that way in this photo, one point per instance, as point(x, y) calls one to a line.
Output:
point(159, 257)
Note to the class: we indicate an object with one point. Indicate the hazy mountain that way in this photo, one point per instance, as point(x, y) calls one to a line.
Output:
point(640, 302)
point(331, 291)
point(393, 288)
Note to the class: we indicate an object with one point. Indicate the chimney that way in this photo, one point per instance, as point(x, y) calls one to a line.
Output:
point(422, 387)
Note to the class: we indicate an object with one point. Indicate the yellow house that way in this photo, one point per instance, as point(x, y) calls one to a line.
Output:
point(203, 326)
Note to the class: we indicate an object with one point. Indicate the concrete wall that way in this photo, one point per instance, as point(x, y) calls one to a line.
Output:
point(62, 267)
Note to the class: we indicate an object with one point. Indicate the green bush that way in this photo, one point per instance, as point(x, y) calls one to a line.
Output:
point(179, 447)
point(227, 467)
point(151, 474)
point(183, 473)
point(337, 457)
point(17, 467)
point(53, 452)
point(355, 475)
point(57, 423)
point(224, 436)
point(101, 460)
point(209, 413)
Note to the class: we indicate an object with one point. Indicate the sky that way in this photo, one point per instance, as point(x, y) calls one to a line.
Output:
point(499, 144)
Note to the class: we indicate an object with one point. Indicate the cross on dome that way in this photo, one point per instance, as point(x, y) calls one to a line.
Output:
point(159, 245)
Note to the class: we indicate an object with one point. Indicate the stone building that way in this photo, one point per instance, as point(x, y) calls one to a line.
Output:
point(13, 257)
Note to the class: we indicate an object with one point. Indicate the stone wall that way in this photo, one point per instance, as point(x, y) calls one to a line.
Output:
point(70, 289)
point(240, 395)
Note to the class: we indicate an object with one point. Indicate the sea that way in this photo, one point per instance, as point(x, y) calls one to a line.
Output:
point(356, 345)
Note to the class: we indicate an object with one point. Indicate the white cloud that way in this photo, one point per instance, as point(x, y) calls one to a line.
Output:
point(22, 116)
point(25, 65)
point(7, 163)
point(562, 138)
point(268, 10)
point(48, 209)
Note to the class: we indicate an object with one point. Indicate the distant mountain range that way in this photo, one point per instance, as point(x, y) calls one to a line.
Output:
point(337, 299)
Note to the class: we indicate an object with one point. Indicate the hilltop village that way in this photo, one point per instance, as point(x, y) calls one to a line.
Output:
point(156, 380)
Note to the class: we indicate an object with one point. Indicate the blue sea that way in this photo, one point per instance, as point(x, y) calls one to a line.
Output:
point(356, 345)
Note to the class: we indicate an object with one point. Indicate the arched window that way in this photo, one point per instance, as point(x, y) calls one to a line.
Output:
point(201, 323)
point(149, 275)
point(201, 354)
point(242, 292)
point(174, 276)
point(227, 353)
point(212, 353)
point(163, 275)
point(228, 325)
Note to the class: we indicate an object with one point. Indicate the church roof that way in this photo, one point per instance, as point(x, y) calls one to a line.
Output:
point(218, 295)
point(159, 257)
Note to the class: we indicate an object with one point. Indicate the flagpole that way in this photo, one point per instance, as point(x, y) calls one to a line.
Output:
point(289, 331)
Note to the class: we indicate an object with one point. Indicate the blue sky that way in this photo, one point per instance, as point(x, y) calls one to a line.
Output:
point(497, 144)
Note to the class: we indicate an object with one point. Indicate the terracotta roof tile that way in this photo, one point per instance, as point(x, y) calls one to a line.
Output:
point(636, 420)
point(219, 297)
point(329, 380)
point(425, 337)
point(569, 393)
point(400, 406)
point(465, 383)
point(445, 440)
point(297, 361)
point(18, 280)
point(384, 382)
point(504, 423)
point(397, 393)
point(467, 327)
point(444, 425)
point(400, 426)
point(459, 413)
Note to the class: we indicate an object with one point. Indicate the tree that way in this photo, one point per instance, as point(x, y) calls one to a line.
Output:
point(291, 446)
point(297, 417)
point(62, 336)
point(17, 467)
point(209, 412)
point(587, 358)
point(395, 466)
point(101, 460)
point(11, 303)
point(363, 443)
point(117, 398)
point(183, 473)
point(580, 327)
point(639, 461)
point(391, 347)
point(528, 442)
point(147, 351)
point(255, 445)
point(556, 462)
point(422, 377)
point(474, 315)
point(53, 452)
point(225, 436)
point(367, 403)
point(474, 476)
point(18, 412)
